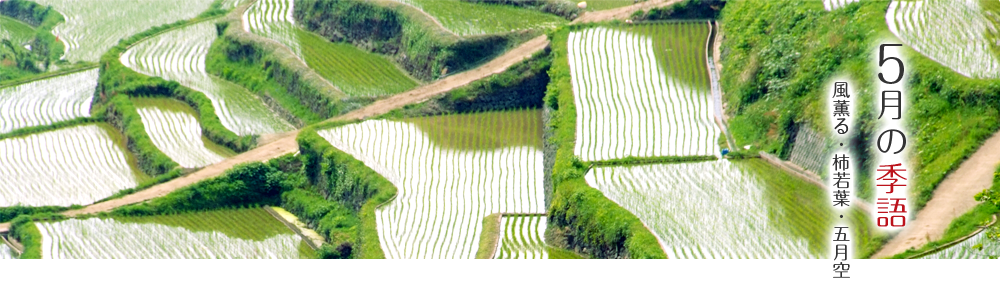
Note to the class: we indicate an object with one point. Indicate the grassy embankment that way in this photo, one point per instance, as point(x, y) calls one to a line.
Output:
point(777, 70)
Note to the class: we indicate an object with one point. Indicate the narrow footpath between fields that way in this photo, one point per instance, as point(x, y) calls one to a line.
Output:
point(952, 198)
point(278, 145)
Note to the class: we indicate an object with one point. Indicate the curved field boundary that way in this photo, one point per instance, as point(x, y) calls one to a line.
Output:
point(952, 198)
point(180, 55)
point(956, 241)
point(178, 135)
point(283, 53)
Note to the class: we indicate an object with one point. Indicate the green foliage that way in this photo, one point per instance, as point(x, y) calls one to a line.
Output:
point(118, 83)
point(342, 251)
point(45, 48)
point(343, 179)
point(122, 114)
point(23, 229)
point(251, 184)
point(45, 128)
point(335, 221)
point(391, 31)
point(689, 9)
point(520, 86)
point(244, 59)
point(11, 212)
point(591, 222)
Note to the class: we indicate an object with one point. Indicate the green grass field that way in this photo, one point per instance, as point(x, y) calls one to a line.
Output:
point(15, 31)
point(220, 234)
point(354, 71)
point(595, 5)
point(252, 224)
point(484, 131)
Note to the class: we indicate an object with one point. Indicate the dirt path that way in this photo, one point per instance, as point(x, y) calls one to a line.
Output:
point(951, 199)
point(428, 91)
point(277, 145)
point(620, 13)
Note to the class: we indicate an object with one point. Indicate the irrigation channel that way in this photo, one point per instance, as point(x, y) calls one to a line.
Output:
point(418, 243)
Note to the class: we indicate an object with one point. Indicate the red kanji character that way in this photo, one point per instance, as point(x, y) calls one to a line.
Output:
point(890, 175)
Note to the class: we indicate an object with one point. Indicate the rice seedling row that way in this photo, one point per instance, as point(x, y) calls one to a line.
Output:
point(178, 135)
point(630, 104)
point(985, 245)
point(831, 5)
point(464, 18)
point(354, 71)
point(48, 101)
point(443, 193)
point(522, 237)
point(94, 26)
point(17, 32)
point(720, 209)
point(953, 33)
point(274, 19)
point(76, 165)
point(179, 55)
point(97, 238)
point(251, 223)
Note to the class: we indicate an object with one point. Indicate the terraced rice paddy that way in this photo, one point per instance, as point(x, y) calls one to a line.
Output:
point(229, 234)
point(836, 4)
point(94, 26)
point(444, 193)
point(76, 165)
point(274, 19)
point(6, 253)
point(15, 31)
point(465, 19)
point(522, 237)
point(980, 246)
point(354, 71)
point(953, 33)
point(174, 129)
point(642, 91)
point(179, 55)
point(48, 101)
point(722, 209)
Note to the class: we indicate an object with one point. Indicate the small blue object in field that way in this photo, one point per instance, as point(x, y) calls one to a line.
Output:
point(725, 151)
